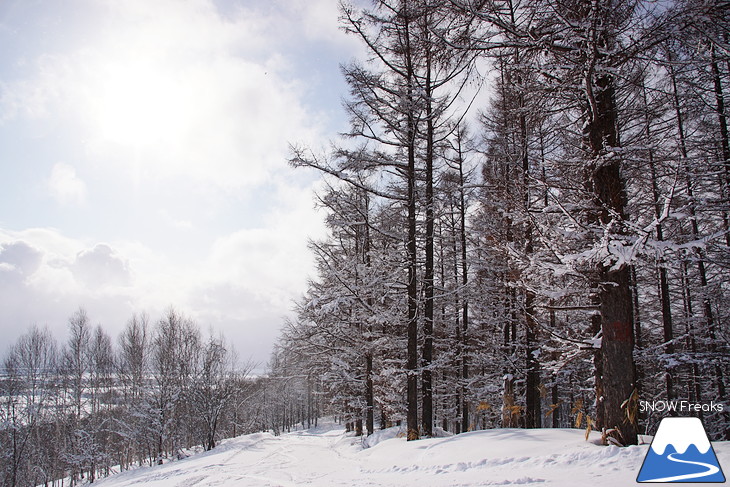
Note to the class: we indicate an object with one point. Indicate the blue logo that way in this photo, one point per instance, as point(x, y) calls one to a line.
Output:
point(681, 452)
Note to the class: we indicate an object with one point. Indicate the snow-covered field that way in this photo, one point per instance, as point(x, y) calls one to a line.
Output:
point(326, 456)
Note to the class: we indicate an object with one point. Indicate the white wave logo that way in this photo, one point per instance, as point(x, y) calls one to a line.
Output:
point(681, 452)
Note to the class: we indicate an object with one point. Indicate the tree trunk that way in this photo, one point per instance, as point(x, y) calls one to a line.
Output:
point(428, 276)
point(464, 343)
point(721, 116)
point(412, 351)
point(638, 342)
point(533, 414)
point(556, 403)
point(369, 393)
point(617, 350)
point(695, 387)
point(370, 412)
point(618, 379)
point(509, 416)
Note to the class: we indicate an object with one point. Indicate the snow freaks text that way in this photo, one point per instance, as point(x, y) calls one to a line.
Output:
point(680, 406)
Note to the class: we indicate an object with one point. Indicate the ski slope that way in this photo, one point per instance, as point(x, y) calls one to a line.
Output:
point(326, 456)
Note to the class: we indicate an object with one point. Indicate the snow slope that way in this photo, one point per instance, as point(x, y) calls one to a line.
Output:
point(326, 456)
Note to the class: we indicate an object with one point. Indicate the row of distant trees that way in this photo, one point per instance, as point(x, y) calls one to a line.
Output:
point(548, 258)
point(91, 406)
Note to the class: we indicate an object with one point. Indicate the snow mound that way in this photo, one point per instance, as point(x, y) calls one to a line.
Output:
point(382, 435)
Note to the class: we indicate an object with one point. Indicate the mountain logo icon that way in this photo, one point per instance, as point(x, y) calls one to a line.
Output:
point(681, 452)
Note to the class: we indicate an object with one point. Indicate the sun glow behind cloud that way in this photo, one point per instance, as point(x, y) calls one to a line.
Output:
point(193, 94)
point(162, 128)
point(140, 105)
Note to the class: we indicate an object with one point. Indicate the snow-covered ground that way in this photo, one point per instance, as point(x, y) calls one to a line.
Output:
point(326, 456)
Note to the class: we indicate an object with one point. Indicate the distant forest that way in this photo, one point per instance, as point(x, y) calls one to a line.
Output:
point(88, 407)
point(529, 226)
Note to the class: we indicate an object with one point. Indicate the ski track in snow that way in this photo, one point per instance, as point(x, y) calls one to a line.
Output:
point(326, 456)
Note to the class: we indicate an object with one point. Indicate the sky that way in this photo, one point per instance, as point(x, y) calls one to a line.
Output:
point(143, 160)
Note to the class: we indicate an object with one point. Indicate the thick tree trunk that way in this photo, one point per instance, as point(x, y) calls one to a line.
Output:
point(617, 350)
point(618, 376)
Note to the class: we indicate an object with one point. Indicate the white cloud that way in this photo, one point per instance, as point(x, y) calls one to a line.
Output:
point(65, 186)
point(20, 257)
point(101, 266)
point(275, 254)
point(172, 89)
point(243, 284)
point(196, 109)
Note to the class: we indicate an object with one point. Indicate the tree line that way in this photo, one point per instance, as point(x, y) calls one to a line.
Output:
point(549, 257)
point(88, 407)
